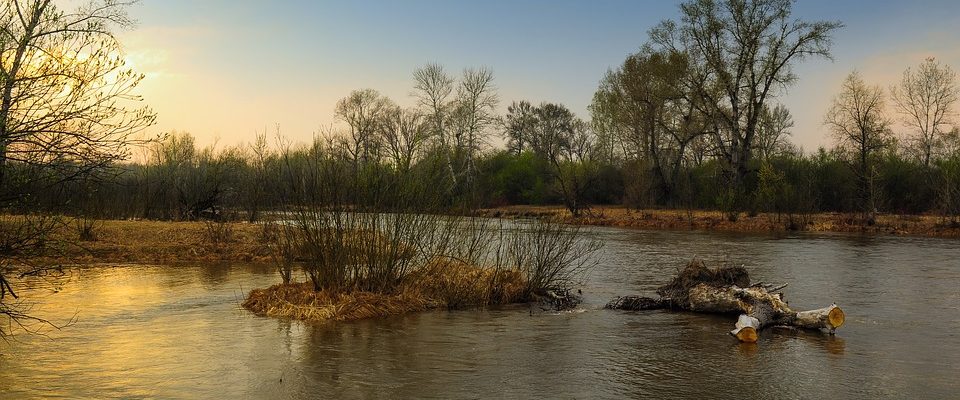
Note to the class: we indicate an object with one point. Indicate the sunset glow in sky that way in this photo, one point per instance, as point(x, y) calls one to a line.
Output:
point(224, 69)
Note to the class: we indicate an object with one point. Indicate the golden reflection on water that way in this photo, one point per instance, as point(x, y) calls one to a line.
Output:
point(129, 328)
point(835, 345)
point(748, 350)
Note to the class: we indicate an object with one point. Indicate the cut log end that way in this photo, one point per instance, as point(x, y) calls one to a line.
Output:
point(830, 318)
point(835, 317)
point(746, 329)
point(746, 334)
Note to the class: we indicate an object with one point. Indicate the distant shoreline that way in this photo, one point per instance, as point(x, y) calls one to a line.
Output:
point(170, 242)
point(703, 220)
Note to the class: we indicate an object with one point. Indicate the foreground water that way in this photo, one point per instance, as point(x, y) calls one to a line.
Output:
point(178, 332)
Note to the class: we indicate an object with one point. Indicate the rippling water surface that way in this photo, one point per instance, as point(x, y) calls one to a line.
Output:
point(178, 332)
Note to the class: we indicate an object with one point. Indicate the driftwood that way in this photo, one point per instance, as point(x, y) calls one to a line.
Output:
point(728, 291)
point(555, 299)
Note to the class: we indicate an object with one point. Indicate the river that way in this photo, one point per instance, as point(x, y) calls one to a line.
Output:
point(179, 332)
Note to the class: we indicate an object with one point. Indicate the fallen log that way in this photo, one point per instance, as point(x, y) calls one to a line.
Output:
point(556, 299)
point(728, 291)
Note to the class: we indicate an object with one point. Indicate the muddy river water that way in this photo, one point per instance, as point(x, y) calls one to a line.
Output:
point(178, 332)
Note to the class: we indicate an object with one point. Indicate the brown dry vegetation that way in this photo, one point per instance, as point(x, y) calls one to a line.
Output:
point(299, 301)
point(147, 242)
point(442, 284)
point(893, 224)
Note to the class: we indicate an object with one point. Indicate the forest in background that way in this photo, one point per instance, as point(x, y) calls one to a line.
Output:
point(691, 120)
point(647, 144)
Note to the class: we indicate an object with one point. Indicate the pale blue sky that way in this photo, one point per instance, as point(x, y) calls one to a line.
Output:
point(224, 69)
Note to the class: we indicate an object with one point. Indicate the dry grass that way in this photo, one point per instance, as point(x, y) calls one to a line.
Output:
point(154, 242)
point(299, 301)
point(456, 285)
point(442, 284)
point(890, 224)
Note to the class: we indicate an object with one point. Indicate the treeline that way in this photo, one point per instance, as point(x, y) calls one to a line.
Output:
point(691, 120)
point(183, 182)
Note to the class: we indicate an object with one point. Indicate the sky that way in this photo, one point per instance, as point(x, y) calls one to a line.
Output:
point(224, 70)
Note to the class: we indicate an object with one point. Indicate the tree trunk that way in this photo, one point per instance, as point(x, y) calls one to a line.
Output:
point(699, 289)
point(759, 309)
point(3, 163)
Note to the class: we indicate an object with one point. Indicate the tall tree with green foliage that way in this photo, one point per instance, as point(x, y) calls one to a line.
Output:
point(566, 144)
point(651, 112)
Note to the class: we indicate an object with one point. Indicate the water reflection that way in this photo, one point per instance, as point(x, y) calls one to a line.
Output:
point(831, 343)
point(179, 332)
point(748, 350)
point(213, 274)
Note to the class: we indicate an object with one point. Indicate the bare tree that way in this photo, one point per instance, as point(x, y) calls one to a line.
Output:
point(475, 113)
point(364, 112)
point(433, 89)
point(925, 99)
point(64, 88)
point(404, 133)
point(775, 125)
point(743, 50)
point(67, 110)
point(861, 129)
point(259, 156)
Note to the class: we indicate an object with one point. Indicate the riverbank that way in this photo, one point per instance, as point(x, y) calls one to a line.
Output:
point(151, 242)
point(618, 216)
point(167, 242)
